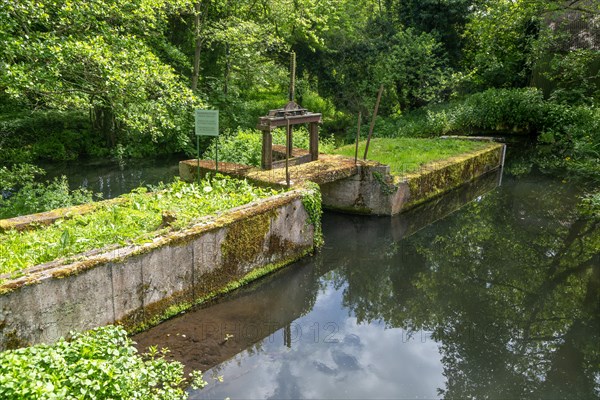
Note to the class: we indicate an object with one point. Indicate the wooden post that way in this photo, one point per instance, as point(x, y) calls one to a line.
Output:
point(267, 149)
point(313, 131)
point(357, 138)
point(373, 121)
point(292, 94)
point(288, 152)
point(290, 139)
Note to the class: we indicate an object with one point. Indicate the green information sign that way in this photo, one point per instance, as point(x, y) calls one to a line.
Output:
point(207, 122)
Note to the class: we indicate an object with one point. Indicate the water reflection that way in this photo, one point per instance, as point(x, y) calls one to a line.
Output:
point(509, 287)
point(496, 300)
point(113, 179)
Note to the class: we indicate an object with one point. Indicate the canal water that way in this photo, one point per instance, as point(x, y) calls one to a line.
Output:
point(113, 179)
point(490, 292)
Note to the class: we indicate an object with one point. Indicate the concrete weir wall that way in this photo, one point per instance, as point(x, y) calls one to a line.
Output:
point(137, 286)
point(375, 191)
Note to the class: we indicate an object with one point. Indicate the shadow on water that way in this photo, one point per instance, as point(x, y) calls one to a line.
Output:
point(485, 293)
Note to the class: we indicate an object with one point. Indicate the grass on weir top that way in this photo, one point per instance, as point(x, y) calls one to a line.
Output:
point(406, 155)
point(138, 219)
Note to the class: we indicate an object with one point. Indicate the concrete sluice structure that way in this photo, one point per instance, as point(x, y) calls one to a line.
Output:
point(139, 286)
point(365, 187)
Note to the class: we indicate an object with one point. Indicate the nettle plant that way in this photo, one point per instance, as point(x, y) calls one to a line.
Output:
point(99, 364)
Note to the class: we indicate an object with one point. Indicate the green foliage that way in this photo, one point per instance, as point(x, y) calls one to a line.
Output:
point(91, 57)
point(499, 37)
point(590, 205)
point(139, 219)
point(410, 65)
point(99, 364)
point(312, 202)
point(445, 19)
point(241, 147)
point(52, 135)
point(18, 175)
point(500, 110)
point(576, 77)
point(515, 43)
point(411, 68)
point(22, 194)
point(34, 197)
point(245, 146)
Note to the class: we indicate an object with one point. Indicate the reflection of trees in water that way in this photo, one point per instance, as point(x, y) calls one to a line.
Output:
point(509, 286)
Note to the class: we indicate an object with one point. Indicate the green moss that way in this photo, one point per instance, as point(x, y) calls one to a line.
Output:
point(182, 307)
point(386, 187)
point(245, 239)
point(437, 179)
point(12, 341)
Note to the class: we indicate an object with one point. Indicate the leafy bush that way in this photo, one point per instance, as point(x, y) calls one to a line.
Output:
point(22, 195)
point(500, 110)
point(412, 69)
point(18, 175)
point(245, 146)
point(242, 147)
point(99, 364)
point(36, 197)
point(590, 205)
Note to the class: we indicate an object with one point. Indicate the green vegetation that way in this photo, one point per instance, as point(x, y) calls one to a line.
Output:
point(405, 155)
point(22, 194)
point(121, 77)
point(312, 202)
point(245, 146)
point(143, 216)
point(99, 364)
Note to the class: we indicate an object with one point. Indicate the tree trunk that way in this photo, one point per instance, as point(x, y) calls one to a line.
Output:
point(103, 122)
point(197, 51)
point(227, 70)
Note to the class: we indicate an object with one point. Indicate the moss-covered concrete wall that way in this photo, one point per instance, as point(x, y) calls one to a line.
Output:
point(375, 191)
point(139, 286)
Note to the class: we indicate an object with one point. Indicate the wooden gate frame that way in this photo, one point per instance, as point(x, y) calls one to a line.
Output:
point(269, 123)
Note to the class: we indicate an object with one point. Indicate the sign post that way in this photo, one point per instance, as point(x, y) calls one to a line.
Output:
point(207, 124)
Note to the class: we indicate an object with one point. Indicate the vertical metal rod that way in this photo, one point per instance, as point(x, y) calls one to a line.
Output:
point(293, 77)
point(287, 152)
point(373, 121)
point(357, 138)
point(198, 156)
point(217, 156)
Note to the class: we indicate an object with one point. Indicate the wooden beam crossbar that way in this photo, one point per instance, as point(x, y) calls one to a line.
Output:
point(268, 124)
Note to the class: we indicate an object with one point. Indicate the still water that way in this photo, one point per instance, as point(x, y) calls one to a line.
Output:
point(498, 298)
point(113, 179)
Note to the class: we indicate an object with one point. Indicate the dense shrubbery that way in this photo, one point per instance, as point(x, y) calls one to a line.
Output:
point(245, 146)
point(99, 364)
point(567, 136)
point(21, 194)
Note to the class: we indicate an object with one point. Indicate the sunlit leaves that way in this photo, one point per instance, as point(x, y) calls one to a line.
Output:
point(100, 364)
point(92, 56)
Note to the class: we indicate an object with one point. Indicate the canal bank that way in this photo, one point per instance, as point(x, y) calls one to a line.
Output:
point(140, 285)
